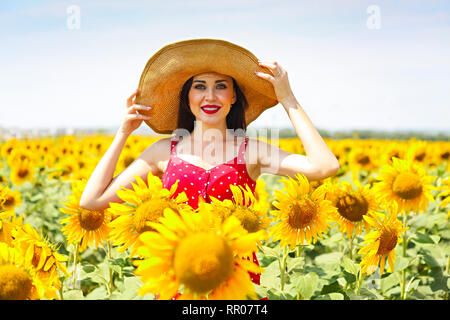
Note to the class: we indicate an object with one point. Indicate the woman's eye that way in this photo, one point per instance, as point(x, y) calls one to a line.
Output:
point(201, 86)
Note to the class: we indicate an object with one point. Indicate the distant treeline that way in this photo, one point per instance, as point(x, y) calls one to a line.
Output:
point(372, 134)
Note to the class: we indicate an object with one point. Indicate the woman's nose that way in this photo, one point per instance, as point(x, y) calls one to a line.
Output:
point(210, 95)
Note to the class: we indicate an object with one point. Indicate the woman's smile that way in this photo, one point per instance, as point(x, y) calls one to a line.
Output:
point(210, 108)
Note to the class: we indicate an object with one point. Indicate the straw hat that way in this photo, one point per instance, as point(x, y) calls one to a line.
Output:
point(169, 68)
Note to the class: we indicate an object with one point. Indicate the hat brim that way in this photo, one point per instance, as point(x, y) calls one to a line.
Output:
point(169, 68)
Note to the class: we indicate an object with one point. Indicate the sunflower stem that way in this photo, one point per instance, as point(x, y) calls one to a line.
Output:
point(359, 281)
point(75, 263)
point(111, 271)
point(61, 294)
point(351, 243)
point(283, 267)
point(405, 244)
point(298, 252)
point(447, 268)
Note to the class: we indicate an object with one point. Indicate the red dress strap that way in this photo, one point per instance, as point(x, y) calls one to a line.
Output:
point(173, 143)
point(241, 153)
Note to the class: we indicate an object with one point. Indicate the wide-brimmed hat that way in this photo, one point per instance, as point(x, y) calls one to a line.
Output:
point(169, 68)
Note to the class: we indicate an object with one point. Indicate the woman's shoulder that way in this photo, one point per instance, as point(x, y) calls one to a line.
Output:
point(158, 150)
point(255, 142)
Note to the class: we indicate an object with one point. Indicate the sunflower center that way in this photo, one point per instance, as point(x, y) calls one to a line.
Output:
point(128, 160)
point(302, 213)
point(23, 173)
point(407, 186)
point(15, 284)
point(362, 159)
point(420, 156)
point(90, 220)
point(9, 202)
point(388, 241)
point(249, 220)
point(150, 211)
point(352, 207)
point(203, 261)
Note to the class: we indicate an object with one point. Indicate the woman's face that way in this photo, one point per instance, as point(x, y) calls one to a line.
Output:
point(211, 96)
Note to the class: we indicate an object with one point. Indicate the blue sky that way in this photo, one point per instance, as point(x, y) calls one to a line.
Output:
point(345, 74)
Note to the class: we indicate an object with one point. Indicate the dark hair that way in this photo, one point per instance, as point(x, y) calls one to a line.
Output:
point(235, 118)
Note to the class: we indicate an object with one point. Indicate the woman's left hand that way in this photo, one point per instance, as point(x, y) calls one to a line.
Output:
point(278, 78)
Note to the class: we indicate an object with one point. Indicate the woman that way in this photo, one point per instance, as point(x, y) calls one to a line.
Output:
point(209, 89)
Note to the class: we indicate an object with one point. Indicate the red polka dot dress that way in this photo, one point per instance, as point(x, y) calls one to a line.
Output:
point(198, 182)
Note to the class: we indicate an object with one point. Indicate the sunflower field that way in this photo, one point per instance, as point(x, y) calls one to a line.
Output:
point(377, 230)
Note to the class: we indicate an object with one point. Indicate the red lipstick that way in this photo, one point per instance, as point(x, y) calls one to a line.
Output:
point(210, 108)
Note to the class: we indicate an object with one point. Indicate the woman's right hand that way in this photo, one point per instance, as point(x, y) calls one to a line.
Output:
point(132, 119)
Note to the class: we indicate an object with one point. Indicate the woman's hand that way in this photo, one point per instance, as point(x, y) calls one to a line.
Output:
point(132, 119)
point(279, 80)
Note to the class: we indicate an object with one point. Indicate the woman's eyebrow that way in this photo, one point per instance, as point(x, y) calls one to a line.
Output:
point(203, 81)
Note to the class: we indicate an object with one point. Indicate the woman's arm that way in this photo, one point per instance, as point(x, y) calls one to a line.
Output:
point(100, 189)
point(319, 161)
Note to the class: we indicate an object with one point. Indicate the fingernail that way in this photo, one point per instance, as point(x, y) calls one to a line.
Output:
point(148, 108)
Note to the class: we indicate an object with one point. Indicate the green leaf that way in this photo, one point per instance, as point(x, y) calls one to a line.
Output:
point(332, 287)
point(131, 288)
point(88, 268)
point(331, 296)
point(306, 285)
point(73, 295)
point(329, 258)
point(275, 294)
point(369, 294)
point(400, 264)
point(430, 260)
point(270, 252)
point(425, 238)
point(269, 281)
point(412, 285)
point(99, 293)
point(388, 282)
point(295, 264)
point(350, 266)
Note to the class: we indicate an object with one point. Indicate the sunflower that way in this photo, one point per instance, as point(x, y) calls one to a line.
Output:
point(40, 254)
point(261, 195)
point(405, 183)
point(445, 194)
point(9, 222)
point(352, 205)
point(419, 150)
point(21, 172)
point(67, 168)
point(362, 158)
point(10, 145)
point(192, 253)
point(20, 155)
point(245, 207)
point(11, 199)
point(18, 281)
point(142, 205)
point(381, 242)
point(393, 149)
point(84, 227)
point(300, 214)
